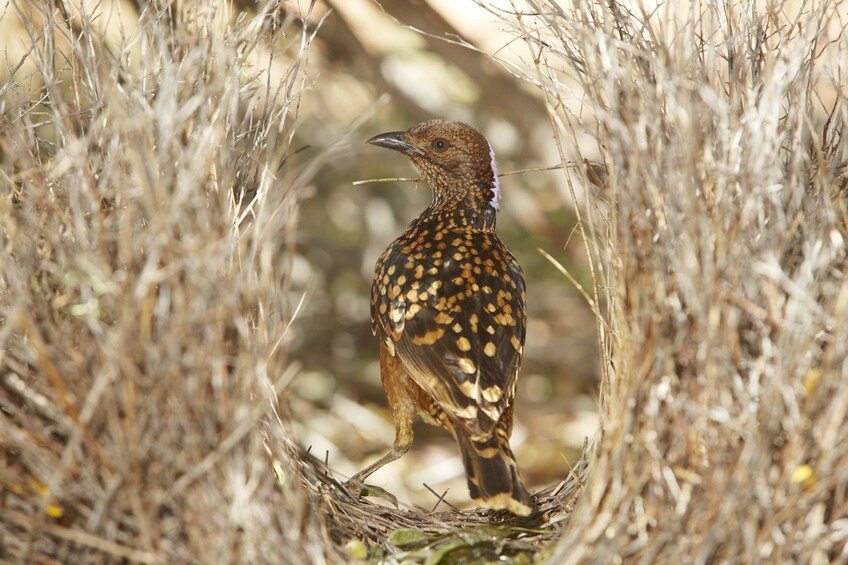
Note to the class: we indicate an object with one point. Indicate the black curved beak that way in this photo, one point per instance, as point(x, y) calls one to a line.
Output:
point(392, 140)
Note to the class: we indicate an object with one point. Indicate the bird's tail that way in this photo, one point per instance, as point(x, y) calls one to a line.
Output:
point(493, 479)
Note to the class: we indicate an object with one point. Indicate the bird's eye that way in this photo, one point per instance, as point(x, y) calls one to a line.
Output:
point(440, 145)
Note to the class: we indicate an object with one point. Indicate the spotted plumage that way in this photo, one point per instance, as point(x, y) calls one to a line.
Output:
point(448, 306)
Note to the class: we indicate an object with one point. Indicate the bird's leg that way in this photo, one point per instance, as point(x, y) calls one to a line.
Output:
point(403, 439)
point(403, 411)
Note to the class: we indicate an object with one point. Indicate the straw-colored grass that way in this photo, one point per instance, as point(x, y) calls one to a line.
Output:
point(146, 216)
point(722, 272)
point(148, 213)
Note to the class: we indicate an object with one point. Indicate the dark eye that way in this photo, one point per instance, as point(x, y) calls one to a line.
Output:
point(440, 145)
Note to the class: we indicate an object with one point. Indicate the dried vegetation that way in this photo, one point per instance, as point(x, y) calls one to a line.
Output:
point(148, 208)
point(720, 259)
point(148, 213)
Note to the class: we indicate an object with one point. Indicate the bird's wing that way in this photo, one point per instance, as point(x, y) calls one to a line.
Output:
point(459, 332)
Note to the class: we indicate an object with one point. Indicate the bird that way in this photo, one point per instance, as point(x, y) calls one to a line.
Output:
point(448, 305)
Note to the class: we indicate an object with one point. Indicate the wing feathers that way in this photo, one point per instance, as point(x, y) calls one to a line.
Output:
point(457, 325)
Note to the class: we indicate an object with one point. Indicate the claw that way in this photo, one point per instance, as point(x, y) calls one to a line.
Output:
point(357, 490)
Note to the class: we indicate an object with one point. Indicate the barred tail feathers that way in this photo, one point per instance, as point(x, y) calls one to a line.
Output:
point(493, 479)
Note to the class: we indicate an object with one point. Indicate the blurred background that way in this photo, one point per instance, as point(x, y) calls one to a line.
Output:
point(377, 67)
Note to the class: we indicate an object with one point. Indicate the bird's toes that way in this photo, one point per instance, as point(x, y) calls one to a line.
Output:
point(357, 489)
point(354, 487)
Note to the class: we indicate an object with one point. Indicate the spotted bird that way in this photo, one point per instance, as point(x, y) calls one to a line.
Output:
point(448, 307)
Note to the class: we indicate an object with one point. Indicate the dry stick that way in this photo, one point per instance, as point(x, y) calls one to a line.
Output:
point(568, 164)
point(441, 498)
point(393, 179)
point(571, 470)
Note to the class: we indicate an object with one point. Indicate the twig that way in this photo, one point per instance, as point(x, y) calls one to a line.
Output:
point(393, 179)
point(569, 164)
point(441, 498)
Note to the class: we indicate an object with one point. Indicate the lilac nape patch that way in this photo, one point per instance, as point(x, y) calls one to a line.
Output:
point(496, 185)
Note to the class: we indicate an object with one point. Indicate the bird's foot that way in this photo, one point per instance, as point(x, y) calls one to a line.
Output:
point(357, 489)
point(354, 487)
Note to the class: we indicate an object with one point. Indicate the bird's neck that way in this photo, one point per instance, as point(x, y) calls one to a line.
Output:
point(462, 214)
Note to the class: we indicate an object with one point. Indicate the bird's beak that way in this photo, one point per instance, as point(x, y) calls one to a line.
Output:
point(393, 140)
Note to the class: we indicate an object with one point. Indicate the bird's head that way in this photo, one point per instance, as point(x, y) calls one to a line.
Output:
point(454, 158)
